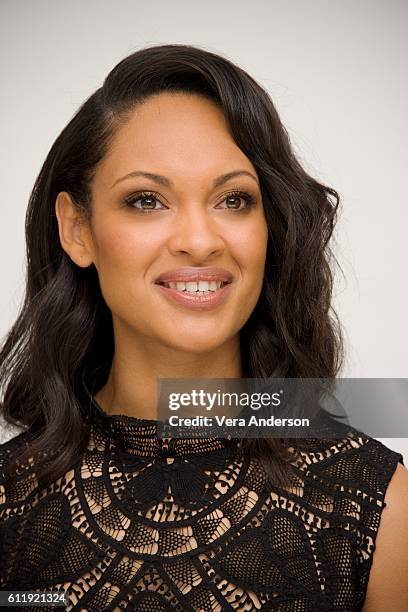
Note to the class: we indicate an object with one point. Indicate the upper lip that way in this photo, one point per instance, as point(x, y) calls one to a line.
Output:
point(195, 274)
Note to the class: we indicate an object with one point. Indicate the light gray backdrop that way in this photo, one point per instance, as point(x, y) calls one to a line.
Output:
point(337, 72)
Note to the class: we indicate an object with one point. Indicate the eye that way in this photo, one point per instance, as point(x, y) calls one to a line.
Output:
point(233, 198)
point(147, 198)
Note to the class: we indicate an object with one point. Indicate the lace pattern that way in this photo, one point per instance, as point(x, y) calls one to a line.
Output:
point(142, 523)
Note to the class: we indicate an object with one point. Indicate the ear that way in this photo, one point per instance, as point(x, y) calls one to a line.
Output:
point(74, 231)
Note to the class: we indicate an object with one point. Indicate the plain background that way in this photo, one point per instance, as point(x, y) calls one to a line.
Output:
point(337, 74)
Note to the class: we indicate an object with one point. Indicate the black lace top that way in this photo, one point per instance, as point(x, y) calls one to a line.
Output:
point(151, 524)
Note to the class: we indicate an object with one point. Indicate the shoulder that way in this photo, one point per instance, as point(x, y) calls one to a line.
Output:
point(355, 462)
point(11, 444)
point(12, 439)
point(368, 485)
point(388, 582)
point(8, 431)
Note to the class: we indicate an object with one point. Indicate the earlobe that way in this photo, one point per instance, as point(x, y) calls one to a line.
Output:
point(72, 230)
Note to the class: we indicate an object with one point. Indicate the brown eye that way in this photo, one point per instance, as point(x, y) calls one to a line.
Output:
point(147, 201)
point(237, 198)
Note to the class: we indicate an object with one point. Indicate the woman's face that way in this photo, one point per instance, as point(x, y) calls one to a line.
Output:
point(185, 220)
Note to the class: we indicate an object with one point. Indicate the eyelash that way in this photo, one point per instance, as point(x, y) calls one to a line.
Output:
point(130, 200)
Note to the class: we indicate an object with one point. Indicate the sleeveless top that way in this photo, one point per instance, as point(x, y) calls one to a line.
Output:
point(151, 524)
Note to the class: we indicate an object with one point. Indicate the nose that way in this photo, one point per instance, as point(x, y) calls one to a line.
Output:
point(194, 232)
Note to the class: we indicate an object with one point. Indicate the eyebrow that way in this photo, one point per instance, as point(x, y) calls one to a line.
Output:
point(163, 180)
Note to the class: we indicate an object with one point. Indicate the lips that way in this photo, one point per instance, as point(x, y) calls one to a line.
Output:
point(188, 275)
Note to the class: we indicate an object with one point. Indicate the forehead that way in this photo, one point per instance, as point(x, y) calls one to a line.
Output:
point(174, 133)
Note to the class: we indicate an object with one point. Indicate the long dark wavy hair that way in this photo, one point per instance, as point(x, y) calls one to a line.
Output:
point(64, 323)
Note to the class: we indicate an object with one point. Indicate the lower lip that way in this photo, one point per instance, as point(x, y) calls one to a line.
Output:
point(196, 302)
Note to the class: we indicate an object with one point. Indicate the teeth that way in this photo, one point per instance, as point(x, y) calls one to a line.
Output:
point(195, 286)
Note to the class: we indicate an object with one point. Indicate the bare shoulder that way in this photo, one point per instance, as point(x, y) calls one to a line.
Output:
point(387, 587)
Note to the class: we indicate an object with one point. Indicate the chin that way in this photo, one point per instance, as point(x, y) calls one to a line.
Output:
point(197, 344)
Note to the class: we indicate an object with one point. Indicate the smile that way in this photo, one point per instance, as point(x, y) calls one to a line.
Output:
point(195, 287)
point(201, 295)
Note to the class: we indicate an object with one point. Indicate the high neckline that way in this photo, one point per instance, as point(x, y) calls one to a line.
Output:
point(135, 435)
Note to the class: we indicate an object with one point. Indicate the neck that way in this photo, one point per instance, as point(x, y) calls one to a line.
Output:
point(131, 387)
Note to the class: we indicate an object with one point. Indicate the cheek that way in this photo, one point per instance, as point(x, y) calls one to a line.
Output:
point(249, 246)
point(121, 243)
point(124, 253)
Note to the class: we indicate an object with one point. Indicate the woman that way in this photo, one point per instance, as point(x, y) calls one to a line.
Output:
point(178, 170)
